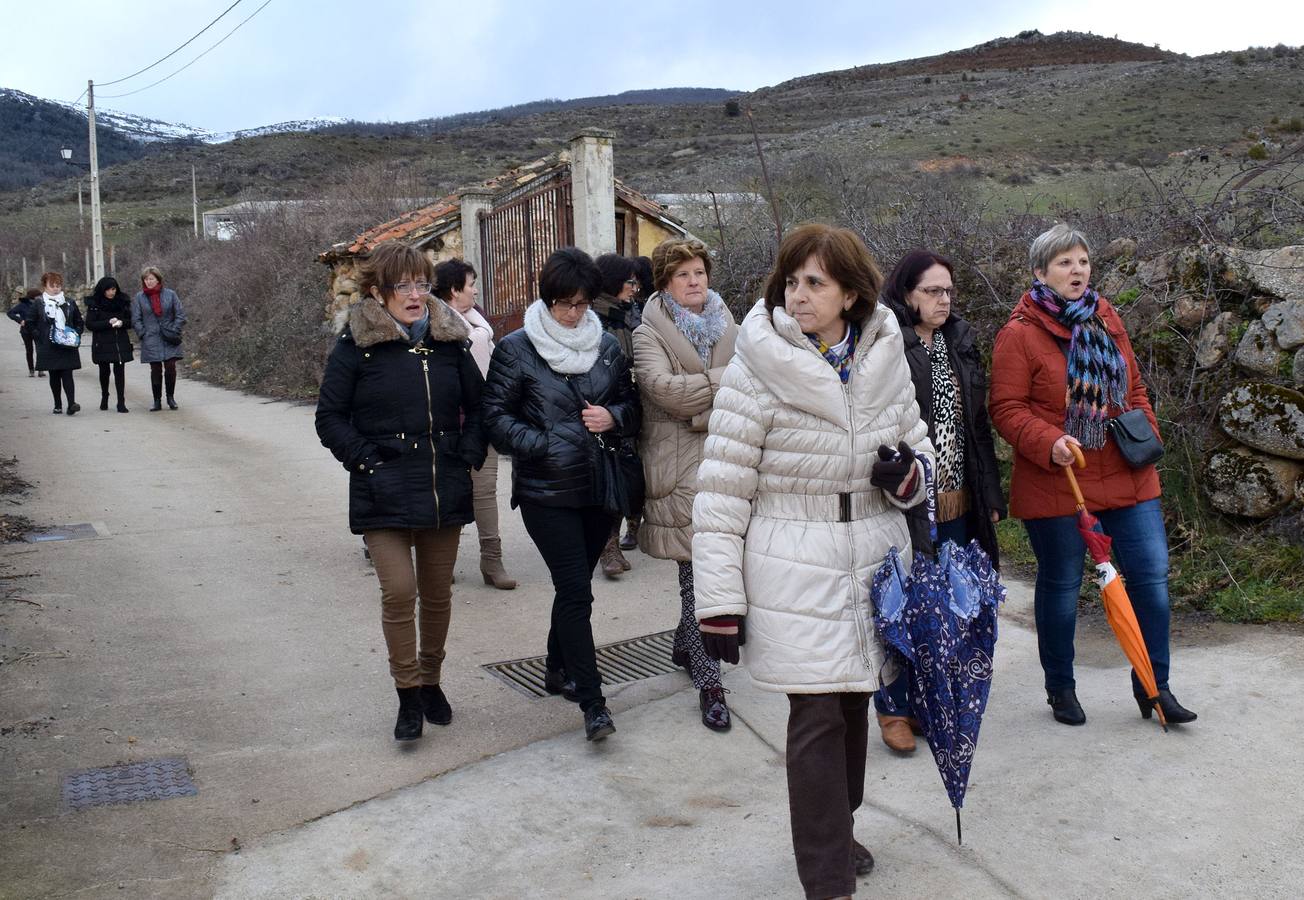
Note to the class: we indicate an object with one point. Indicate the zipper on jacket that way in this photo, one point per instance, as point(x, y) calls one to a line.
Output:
point(430, 436)
point(857, 608)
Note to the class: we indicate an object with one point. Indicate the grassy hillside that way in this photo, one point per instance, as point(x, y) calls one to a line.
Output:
point(1036, 119)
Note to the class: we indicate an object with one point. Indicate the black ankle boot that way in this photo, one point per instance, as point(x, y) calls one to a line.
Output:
point(556, 682)
point(408, 726)
point(1174, 712)
point(435, 705)
point(1065, 707)
point(172, 404)
point(104, 401)
point(597, 723)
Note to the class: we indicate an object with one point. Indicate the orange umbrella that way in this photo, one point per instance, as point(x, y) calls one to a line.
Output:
point(1113, 593)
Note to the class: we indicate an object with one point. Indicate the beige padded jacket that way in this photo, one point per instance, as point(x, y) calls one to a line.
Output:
point(788, 530)
point(677, 393)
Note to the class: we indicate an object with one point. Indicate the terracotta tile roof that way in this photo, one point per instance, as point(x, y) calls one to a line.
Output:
point(420, 226)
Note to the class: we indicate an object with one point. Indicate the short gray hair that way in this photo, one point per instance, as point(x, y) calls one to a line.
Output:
point(1054, 241)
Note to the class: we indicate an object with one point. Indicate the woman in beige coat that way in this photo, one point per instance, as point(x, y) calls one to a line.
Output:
point(800, 497)
point(680, 352)
point(455, 285)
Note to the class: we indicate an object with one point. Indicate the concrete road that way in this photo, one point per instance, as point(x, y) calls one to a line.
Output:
point(224, 614)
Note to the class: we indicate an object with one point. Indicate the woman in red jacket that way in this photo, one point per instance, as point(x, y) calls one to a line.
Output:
point(1060, 326)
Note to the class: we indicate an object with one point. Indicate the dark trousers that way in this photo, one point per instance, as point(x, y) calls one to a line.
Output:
point(827, 739)
point(158, 371)
point(29, 345)
point(571, 539)
point(892, 700)
point(62, 378)
point(119, 381)
point(1141, 553)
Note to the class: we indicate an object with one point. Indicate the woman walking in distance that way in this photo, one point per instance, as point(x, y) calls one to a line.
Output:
point(400, 408)
point(800, 497)
point(18, 313)
point(680, 353)
point(56, 323)
point(455, 284)
point(108, 316)
point(556, 387)
point(157, 317)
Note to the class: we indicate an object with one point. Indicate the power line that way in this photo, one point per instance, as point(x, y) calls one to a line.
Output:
point(193, 61)
point(174, 52)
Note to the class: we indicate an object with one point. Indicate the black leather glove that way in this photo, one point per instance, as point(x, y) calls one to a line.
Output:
point(722, 636)
point(893, 469)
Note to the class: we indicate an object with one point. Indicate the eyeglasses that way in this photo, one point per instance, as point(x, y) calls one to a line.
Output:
point(406, 287)
point(634, 282)
point(571, 307)
point(936, 293)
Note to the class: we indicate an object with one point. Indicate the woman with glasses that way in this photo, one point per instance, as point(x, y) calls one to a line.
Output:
point(554, 387)
point(400, 408)
point(614, 307)
point(951, 390)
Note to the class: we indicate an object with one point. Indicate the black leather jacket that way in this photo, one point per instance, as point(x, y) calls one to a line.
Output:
point(533, 414)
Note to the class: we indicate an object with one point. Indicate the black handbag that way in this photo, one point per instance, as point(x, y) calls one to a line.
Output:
point(618, 481)
point(1136, 439)
point(170, 333)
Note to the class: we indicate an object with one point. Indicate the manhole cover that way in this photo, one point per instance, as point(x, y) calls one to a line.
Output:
point(153, 779)
point(80, 532)
point(631, 660)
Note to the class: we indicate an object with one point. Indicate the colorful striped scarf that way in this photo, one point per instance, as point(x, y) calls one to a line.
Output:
point(839, 357)
point(1097, 372)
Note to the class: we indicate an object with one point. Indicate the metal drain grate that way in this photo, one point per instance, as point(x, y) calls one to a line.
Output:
point(153, 779)
point(79, 532)
point(631, 660)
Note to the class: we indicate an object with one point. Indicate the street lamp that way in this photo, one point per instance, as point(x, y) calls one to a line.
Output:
point(66, 153)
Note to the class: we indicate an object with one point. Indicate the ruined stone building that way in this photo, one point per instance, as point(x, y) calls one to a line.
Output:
point(507, 226)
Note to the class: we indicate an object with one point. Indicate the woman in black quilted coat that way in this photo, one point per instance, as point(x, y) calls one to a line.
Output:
point(400, 408)
point(554, 387)
point(108, 318)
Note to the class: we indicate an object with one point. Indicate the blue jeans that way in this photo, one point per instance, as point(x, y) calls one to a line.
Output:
point(895, 703)
point(1141, 555)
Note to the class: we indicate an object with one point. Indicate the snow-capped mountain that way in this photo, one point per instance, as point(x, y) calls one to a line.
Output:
point(147, 130)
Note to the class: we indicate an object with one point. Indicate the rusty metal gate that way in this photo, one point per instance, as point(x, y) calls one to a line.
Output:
point(516, 237)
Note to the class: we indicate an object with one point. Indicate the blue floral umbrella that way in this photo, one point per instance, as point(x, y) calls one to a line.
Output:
point(940, 620)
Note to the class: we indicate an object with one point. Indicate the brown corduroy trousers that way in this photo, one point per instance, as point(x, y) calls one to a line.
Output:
point(827, 735)
point(401, 584)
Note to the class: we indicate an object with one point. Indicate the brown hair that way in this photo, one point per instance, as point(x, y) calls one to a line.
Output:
point(49, 278)
point(841, 253)
point(151, 270)
point(389, 263)
point(672, 253)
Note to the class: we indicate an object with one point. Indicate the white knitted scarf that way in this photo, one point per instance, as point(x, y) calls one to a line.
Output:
point(54, 309)
point(567, 351)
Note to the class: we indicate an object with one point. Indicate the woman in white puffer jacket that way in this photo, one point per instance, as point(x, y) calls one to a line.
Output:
point(800, 497)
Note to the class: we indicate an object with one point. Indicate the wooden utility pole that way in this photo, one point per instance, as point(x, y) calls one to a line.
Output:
point(97, 225)
point(765, 173)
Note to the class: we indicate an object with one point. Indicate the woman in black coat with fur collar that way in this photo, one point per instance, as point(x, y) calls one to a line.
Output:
point(400, 408)
point(108, 317)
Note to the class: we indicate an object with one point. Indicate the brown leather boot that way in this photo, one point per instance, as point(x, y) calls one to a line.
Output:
point(612, 560)
point(896, 733)
point(495, 575)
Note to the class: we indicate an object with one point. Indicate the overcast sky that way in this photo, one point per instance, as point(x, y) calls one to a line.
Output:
point(398, 60)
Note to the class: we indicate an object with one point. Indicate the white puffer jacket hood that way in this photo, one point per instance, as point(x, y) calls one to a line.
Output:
point(788, 530)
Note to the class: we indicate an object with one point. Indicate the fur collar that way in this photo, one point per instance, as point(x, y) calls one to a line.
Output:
point(369, 324)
